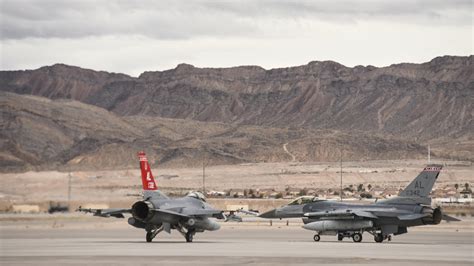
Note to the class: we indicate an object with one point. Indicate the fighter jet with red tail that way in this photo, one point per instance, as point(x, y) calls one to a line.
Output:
point(157, 212)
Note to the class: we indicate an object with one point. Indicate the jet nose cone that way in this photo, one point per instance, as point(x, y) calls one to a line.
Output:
point(269, 214)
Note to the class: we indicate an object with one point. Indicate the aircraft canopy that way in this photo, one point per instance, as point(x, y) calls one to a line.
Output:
point(197, 195)
point(304, 200)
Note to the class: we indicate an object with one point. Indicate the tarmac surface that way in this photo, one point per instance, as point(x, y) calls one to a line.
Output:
point(232, 245)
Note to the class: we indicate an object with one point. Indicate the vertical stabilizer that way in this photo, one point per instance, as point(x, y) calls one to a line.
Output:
point(422, 185)
point(148, 181)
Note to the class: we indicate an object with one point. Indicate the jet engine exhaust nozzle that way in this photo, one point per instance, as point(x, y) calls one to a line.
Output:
point(142, 210)
point(435, 217)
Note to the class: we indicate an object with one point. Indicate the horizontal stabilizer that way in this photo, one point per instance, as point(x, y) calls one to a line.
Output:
point(450, 218)
point(117, 213)
point(410, 217)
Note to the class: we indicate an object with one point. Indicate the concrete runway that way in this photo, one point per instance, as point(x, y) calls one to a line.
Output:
point(258, 245)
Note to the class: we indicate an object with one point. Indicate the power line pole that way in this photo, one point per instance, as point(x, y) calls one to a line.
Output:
point(69, 189)
point(341, 172)
point(203, 177)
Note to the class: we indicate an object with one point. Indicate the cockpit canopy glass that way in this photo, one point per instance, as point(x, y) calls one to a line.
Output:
point(304, 200)
point(197, 195)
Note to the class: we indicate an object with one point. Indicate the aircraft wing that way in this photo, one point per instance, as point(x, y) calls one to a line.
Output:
point(172, 212)
point(114, 212)
point(214, 213)
point(248, 212)
point(342, 213)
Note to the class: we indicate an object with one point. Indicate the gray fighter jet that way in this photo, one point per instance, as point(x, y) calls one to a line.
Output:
point(156, 212)
point(412, 207)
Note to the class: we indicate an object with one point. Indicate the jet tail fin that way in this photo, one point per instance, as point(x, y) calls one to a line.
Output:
point(418, 191)
point(148, 181)
point(422, 185)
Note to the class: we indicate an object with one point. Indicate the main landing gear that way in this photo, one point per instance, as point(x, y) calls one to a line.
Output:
point(379, 237)
point(189, 235)
point(150, 234)
point(340, 237)
point(357, 237)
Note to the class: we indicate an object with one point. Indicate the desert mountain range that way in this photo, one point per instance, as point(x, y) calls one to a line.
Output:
point(65, 117)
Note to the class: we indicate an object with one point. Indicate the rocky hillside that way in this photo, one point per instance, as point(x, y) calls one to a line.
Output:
point(420, 101)
point(39, 133)
point(58, 81)
point(423, 102)
point(239, 114)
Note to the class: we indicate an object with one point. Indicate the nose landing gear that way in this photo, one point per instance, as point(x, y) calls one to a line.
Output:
point(316, 238)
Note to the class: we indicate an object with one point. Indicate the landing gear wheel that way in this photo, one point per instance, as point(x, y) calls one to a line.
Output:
point(189, 236)
point(378, 238)
point(357, 237)
point(340, 237)
point(389, 238)
point(316, 238)
point(149, 237)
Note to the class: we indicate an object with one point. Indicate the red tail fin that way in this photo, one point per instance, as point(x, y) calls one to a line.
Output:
point(147, 177)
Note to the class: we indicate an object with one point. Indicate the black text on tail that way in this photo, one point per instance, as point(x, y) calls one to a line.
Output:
point(422, 185)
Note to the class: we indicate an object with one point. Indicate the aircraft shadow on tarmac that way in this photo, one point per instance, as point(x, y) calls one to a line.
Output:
point(369, 242)
point(293, 241)
point(157, 242)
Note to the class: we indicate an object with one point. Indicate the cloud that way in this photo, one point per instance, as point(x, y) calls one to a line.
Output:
point(177, 20)
point(135, 36)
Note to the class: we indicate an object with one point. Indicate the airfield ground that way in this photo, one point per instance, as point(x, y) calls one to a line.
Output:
point(117, 187)
point(60, 239)
point(80, 239)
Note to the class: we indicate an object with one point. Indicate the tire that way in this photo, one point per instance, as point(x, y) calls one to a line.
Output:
point(378, 238)
point(189, 237)
point(340, 237)
point(148, 237)
point(357, 237)
point(316, 238)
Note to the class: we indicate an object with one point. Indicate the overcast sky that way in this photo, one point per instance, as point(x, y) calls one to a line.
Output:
point(131, 37)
